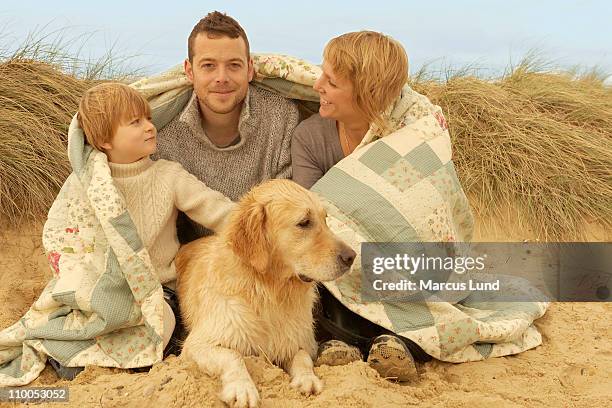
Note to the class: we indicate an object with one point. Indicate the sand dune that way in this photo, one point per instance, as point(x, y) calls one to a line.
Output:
point(573, 367)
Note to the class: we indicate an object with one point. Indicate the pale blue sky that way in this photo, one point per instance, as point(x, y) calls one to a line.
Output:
point(488, 34)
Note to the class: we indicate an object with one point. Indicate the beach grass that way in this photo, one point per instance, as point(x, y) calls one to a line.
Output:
point(537, 140)
point(41, 82)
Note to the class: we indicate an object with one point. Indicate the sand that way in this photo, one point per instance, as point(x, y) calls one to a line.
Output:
point(572, 368)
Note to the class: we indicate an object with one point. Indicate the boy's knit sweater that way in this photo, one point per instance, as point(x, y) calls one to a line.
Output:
point(154, 192)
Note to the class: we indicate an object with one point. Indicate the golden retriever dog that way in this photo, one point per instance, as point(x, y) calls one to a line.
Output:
point(250, 289)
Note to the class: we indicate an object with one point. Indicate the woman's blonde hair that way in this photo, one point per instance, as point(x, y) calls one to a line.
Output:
point(104, 107)
point(375, 64)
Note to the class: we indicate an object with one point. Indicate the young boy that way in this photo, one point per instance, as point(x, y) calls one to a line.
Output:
point(116, 120)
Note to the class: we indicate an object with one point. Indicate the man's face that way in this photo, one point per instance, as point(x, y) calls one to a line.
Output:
point(220, 72)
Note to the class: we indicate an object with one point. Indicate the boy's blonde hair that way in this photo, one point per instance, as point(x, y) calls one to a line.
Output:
point(104, 107)
point(375, 64)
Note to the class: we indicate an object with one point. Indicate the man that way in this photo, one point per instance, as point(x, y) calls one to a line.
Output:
point(231, 135)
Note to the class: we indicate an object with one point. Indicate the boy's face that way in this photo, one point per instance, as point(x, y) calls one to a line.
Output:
point(134, 139)
point(220, 73)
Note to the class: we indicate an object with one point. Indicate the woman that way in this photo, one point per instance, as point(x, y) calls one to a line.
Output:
point(363, 74)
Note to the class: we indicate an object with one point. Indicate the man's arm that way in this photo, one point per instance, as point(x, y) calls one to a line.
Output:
point(283, 168)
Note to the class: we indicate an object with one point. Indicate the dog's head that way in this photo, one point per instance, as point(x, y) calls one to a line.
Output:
point(280, 226)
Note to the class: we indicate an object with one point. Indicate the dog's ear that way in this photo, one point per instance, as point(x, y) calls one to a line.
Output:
point(247, 235)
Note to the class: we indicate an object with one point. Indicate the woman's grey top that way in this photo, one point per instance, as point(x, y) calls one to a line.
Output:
point(315, 148)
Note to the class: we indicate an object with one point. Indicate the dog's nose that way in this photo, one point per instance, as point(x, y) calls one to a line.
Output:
point(347, 256)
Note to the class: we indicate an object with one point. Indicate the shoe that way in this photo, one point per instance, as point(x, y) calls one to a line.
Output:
point(390, 357)
point(336, 352)
point(65, 373)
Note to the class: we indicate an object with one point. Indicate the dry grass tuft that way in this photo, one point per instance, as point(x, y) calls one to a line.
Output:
point(539, 142)
point(41, 82)
point(38, 102)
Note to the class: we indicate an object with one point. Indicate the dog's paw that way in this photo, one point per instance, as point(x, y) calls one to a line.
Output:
point(307, 383)
point(240, 394)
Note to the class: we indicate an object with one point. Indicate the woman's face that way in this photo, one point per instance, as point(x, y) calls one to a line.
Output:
point(336, 95)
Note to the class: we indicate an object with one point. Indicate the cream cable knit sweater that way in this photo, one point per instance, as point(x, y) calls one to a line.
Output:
point(154, 192)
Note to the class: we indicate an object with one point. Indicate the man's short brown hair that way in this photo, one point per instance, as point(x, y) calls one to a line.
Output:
point(216, 25)
point(104, 107)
